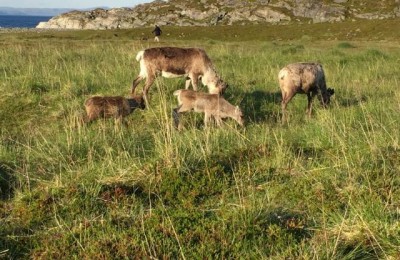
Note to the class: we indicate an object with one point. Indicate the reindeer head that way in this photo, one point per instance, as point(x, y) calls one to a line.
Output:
point(217, 88)
point(215, 84)
point(326, 97)
point(238, 116)
point(136, 102)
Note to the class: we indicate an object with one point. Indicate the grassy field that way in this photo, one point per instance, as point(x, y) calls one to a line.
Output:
point(321, 188)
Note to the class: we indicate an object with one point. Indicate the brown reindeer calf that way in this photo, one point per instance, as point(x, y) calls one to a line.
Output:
point(212, 105)
point(106, 107)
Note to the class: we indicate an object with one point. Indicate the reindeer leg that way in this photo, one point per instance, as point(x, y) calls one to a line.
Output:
point(149, 82)
point(218, 120)
point(175, 113)
point(195, 80)
point(187, 83)
point(310, 97)
point(206, 119)
point(119, 120)
point(88, 118)
point(175, 116)
point(135, 83)
point(286, 97)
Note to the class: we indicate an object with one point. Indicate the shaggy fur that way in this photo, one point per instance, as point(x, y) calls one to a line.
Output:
point(304, 78)
point(169, 62)
point(116, 107)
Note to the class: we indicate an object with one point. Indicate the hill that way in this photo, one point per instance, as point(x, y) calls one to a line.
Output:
point(33, 11)
point(225, 12)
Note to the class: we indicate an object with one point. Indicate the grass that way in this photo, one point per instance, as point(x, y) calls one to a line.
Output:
point(325, 187)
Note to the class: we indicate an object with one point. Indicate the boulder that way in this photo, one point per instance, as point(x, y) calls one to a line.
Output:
point(270, 16)
point(320, 12)
point(374, 16)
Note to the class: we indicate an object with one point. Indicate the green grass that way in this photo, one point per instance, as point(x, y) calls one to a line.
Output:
point(325, 187)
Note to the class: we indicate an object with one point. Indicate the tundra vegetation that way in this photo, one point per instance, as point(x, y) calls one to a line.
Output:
point(324, 187)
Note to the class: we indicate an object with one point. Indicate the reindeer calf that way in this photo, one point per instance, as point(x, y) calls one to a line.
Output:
point(212, 105)
point(106, 107)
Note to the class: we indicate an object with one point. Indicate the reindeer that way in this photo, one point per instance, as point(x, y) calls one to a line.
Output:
point(106, 107)
point(212, 105)
point(304, 78)
point(170, 62)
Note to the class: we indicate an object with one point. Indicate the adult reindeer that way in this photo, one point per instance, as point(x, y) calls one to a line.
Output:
point(304, 78)
point(170, 62)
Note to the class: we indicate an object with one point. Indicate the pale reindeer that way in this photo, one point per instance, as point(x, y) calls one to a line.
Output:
point(170, 62)
point(107, 107)
point(304, 78)
point(212, 105)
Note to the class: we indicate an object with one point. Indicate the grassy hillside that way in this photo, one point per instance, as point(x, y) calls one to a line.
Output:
point(325, 187)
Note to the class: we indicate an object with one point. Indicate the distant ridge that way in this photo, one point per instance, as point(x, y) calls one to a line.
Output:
point(225, 12)
point(36, 11)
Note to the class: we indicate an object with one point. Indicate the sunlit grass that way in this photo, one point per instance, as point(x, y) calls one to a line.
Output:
point(324, 187)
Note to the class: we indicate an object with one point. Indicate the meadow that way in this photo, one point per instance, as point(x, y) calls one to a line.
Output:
point(327, 187)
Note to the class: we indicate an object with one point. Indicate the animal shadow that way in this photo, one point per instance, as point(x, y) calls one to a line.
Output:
point(349, 102)
point(260, 106)
point(7, 181)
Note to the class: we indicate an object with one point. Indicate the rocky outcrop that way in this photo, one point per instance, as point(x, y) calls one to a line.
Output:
point(96, 19)
point(227, 12)
point(373, 16)
point(319, 12)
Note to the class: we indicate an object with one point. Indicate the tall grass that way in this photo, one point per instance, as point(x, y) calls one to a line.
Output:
point(325, 187)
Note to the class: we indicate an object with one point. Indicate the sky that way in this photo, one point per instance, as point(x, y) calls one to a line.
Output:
point(70, 3)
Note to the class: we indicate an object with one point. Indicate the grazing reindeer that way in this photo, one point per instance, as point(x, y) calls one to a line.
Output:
point(212, 105)
point(106, 107)
point(304, 78)
point(192, 63)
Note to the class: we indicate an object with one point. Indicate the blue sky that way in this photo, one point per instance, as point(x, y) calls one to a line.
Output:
point(70, 3)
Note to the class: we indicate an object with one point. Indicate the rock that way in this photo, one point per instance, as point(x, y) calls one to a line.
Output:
point(196, 14)
point(219, 17)
point(320, 12)
point(236, 15)
point(270, 16)
point(396, 11)
point(282, 4)
point(373, 16)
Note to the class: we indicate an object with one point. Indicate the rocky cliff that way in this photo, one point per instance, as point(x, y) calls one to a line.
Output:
point(226, 12)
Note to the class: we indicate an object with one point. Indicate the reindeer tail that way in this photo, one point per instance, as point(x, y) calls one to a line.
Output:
point(139, 56)
point(177, 92)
